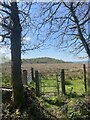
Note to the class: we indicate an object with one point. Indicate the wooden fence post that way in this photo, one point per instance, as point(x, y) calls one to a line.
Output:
point(24, 77)
point(89, 78)
point(63, 82)
point(38, 83)
point(85, 84)
point(58, 92)
point(32, 74)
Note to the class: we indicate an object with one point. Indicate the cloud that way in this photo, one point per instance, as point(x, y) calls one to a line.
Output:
point(0, 38)
point(26, 39)
point(4, 54)
point(4, 51)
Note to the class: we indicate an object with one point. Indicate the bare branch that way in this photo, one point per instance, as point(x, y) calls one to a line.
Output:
point(5, 5)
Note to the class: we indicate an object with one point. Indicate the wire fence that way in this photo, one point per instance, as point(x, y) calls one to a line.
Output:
point(55, 83)
point(51, 79)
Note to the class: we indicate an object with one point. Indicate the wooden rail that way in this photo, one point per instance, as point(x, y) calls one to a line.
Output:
point(5, 89)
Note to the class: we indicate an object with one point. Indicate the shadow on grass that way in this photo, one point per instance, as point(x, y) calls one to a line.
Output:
point(75, 95)
point(62, 100)
point(55, 102)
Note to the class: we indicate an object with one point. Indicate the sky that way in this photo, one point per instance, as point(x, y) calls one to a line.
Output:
point(45, 52)
point(53, 53)
point(50, 51)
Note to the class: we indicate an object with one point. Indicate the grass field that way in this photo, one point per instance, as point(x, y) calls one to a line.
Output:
point(77, 85)
point(73, 105)
point(48, 67)
point(72, 86)
point(73, 74)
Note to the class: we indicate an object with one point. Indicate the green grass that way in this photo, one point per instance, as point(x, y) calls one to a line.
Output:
point(68, 107)
point(6, 79)
point(76, 86)
point(49, 85)
point(72, 86)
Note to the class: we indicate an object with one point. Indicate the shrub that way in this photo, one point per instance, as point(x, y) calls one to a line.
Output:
point(6, 79)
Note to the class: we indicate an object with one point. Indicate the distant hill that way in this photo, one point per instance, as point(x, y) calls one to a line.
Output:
point(42, 60)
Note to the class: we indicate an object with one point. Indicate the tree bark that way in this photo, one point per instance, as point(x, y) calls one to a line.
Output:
point(18, 92)
point(85, 44)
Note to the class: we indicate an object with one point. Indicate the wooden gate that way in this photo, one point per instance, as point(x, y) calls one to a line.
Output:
point(50, 85)
point(47, 85)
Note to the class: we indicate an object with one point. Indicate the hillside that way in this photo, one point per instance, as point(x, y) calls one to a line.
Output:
point(42, 60)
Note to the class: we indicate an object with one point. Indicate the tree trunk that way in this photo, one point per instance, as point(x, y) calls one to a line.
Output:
point(89, 77)
point(18, 92)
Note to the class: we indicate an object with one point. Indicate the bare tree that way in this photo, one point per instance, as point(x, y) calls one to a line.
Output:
point(16, 25)
point(12, 29)
point(15, 37)
point(66, 25)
